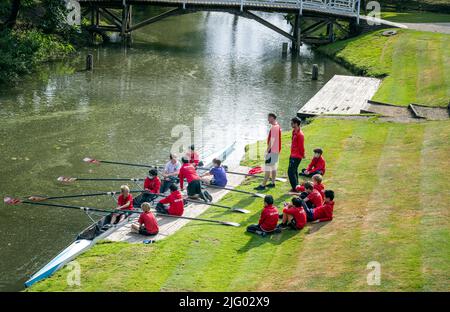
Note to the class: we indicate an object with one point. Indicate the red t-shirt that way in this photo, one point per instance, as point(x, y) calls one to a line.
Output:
point(317, 164)
point(324, 212)
point(121, 200)
point(187, 171)
point(152, 185)
point(149, 221)
point(315, 198)
point(298, 144)
point(176, 204)
point(320, 187)
point(299, 215)
point(269, 218)
point(275, 135)
point(194, 157)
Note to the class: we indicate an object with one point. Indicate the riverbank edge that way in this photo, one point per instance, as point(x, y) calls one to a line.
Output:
point(106, 252)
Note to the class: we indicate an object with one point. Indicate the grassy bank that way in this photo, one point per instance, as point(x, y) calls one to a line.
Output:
point(391, 207)
point(415, 17)
point(416, 65)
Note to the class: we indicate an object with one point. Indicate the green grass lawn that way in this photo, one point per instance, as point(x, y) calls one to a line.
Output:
point(392, 204)
point(415, 17)
point(415, 64)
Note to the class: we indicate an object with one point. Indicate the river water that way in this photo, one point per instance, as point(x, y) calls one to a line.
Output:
point(213, 71)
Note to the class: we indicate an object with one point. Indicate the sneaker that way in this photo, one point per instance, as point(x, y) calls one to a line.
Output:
point(208, 196)
point(271, 185)
point(283, 226)
point(260, 188)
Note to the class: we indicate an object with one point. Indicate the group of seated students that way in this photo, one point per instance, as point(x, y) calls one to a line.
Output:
point(312, 203)
point(173, 204)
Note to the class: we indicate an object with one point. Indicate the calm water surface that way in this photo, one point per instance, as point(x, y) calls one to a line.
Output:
point(217, 71)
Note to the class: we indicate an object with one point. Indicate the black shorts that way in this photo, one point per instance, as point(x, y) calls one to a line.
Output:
point(143, 231)
point(194, 188)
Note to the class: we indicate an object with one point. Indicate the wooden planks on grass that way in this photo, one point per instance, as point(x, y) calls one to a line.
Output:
point(168, 226)
point(342, 95)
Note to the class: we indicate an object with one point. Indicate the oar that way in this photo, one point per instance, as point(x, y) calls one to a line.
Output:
point(37, 198)
point(244, 174)
point(97, 161)
point(16, 201)
point(73, 179)
point(211, 204)
point(217, 205)
point(197, 219)
point(234, 190)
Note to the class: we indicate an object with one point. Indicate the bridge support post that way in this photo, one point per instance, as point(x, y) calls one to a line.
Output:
point(297, 35)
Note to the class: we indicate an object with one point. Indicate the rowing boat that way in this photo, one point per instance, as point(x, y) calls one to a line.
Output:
point(97, 231)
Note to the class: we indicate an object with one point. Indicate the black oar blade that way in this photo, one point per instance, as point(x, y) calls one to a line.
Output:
point(230, 223)
point(240, 210)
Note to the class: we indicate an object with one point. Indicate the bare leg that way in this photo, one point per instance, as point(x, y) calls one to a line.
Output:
point(290, 217)
point(274, 175)
point(266, 177)
point(285, 218)
point(113, 218)
point(135, 228)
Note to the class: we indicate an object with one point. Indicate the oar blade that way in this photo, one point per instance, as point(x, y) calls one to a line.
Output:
point(36, 198)
point(227, 223)
point(12, 201)
point(240, 210)
point(91, 160)
point(63, 179)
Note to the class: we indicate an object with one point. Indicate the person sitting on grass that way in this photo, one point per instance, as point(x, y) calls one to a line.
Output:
point(317, 183)
point(324, 212)
point(311, 196)
point(175, 201)
point(218, 173)
point(268, 220)
point(124, 202)
point(147, 224)
point(294, 215)
point(316, 166)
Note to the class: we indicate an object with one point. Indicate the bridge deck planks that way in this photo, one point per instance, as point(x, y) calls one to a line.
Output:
point(342, 95)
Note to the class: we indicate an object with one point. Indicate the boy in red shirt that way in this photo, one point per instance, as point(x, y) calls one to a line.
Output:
point(317, 165)
point(124, 202)
point(324, 212)
point(317, 184)
point(175, 201)
point(194, 189)
point(147, 224)
point(297, 152)
point(268, 220)
point(294, 215)
point(193, 156)
point(311, 197)
point(152, 185)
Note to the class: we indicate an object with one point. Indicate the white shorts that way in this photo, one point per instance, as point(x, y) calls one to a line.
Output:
point(271, 162)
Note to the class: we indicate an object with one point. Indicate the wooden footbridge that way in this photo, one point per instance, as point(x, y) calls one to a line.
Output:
point(118, 14)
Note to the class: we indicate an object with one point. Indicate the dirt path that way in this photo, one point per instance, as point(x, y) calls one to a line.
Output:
point(432, 27)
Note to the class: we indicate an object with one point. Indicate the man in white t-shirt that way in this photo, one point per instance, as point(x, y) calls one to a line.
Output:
point(170, 173)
